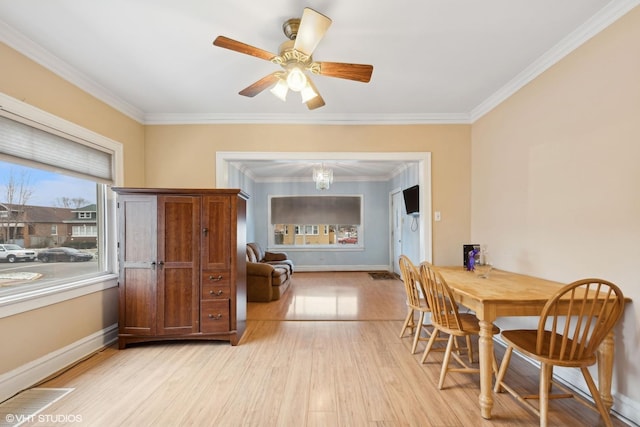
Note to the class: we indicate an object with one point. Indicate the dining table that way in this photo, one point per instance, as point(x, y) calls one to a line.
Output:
point(506, 294)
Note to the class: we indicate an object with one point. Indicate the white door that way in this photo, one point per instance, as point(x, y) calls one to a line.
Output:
point(396, 229)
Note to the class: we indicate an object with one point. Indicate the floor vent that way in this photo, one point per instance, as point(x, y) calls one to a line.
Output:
point(25, 407)
point(383, 275)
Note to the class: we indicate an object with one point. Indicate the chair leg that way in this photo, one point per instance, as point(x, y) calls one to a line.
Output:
point(503, 369)
point(427, 349)
point(550, 378)
point(445, 361)
point(408, 323)
point(596, 397)
point(417, 332)
point(469, 349)
point(544, 393)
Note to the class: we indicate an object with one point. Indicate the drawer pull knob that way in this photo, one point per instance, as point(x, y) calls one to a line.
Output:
point(218, 292)
point(215, 316)
point(215, 279)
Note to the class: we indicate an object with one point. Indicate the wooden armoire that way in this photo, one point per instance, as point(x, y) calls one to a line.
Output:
point(182, 264)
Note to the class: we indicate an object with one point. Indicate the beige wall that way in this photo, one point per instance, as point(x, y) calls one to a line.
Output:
point(36, 333)
point(27, 81)
point(185, 156)
point(556, 181)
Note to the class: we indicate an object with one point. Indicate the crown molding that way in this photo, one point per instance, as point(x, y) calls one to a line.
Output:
point(305, 118)
point(35, 52)
point(363, 178)
point(601, 20)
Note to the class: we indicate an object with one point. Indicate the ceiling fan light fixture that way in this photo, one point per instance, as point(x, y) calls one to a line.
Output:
point(280, 89)
point(307, 93)
point(296, 79)
point(295, 57)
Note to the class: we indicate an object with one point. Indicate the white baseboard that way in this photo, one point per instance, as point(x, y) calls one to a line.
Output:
point(627, 410)
point(310, 268)
point(27, 375)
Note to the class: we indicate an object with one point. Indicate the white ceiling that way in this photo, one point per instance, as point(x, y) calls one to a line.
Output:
point(435, 61)
point(351, 167)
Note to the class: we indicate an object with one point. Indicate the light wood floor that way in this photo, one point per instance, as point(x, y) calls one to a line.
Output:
point(326, 354)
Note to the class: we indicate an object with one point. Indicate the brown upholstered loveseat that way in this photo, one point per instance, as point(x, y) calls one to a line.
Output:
point(268, 274)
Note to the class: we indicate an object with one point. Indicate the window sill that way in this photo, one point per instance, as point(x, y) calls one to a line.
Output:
point(11, 305)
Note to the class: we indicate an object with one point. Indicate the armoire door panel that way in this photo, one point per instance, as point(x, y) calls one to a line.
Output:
point(138, 302)
point(137, 240)
point(178, 298)
point(179, 219)
point(137, 251)
point(216, 246)
point(179, 264)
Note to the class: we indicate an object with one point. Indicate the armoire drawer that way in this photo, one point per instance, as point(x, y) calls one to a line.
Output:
point(213, 291)
point(214, 316)
point(216, 277)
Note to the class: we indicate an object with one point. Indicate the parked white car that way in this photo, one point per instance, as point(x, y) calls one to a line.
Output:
point(12, 253)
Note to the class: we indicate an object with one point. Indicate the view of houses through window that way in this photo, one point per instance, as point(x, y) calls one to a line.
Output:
point(330, 221)
point(49, 226)
point(316, 234)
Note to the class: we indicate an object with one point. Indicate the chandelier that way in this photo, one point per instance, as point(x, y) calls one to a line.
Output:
point(323, 177)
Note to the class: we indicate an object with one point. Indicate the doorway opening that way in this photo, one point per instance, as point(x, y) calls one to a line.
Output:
point(422, 159)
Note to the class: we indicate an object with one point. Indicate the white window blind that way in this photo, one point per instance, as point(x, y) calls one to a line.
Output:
point(38, 148)
point(316, 210)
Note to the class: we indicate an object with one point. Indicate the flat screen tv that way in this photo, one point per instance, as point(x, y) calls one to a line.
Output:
point(412, 199)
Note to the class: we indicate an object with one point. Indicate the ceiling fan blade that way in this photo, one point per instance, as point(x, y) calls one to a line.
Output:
point(341, 70)
point(313, 25)
point(227, 43)
point(316, 102)
point(261, 85)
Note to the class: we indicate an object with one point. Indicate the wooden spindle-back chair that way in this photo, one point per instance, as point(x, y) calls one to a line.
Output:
point(572, 325)
point(446, 318)
point(415, 302)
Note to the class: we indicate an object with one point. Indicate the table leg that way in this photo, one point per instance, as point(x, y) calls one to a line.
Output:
point(486, 368)
point(605, 369)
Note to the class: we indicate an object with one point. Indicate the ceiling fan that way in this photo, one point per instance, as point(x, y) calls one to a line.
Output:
point(294, 56)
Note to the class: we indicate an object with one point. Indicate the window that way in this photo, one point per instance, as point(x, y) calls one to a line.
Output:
point(317, 221)
point(311, 229)
point(53, 193)
point(84, 231)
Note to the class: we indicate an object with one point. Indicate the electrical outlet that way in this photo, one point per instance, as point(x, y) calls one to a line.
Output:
point(437, 216)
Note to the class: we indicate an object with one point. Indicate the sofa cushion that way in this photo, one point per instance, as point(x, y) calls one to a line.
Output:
point(279, 276)
point(257, 251)
point(274, 256)
point(251, 255)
